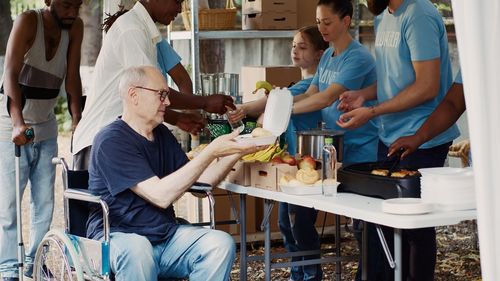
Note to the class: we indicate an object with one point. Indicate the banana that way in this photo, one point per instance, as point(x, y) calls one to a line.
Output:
point(263, 85)
point(262, 155)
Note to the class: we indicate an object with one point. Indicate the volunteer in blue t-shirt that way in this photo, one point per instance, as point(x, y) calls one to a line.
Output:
point(445, 116)
point(139, 169)
point(170, 64)
point(347, 65)
point(414, 74)
point(296, 222)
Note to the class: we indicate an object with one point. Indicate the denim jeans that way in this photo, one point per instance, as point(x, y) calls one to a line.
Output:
point(299, 234)
point(419, 245)
point(37, 168)
point(193, 252)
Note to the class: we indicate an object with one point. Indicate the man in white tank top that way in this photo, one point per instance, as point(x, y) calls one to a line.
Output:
point(43, 51)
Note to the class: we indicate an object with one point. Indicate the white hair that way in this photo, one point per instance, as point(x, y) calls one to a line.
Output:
point(133, 76)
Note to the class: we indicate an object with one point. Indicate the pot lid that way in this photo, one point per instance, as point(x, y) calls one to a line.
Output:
point(278, 110)
point(318, 132)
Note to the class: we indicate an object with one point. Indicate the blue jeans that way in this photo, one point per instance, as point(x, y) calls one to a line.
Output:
point(193, 252)
point(299, 234)
point(419, 245)
point(37, 168)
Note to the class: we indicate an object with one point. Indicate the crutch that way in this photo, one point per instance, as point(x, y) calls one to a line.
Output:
point(29, 134)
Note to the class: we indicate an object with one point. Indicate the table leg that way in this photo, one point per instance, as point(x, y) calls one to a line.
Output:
point(267, 243)
point(338, 265)
point(364, 251)
point(398, 271)
point(243, 238)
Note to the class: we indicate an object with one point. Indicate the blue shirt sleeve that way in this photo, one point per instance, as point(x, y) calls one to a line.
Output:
point(121, 165)
point(423, 38)
point(458, 78)
point(166, 56)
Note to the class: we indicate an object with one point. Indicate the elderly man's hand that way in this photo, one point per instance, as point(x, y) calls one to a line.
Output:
point(225, 146)
point(190, 122)
point(218, 103)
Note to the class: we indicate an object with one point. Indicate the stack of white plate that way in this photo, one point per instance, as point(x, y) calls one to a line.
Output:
point(448, 188)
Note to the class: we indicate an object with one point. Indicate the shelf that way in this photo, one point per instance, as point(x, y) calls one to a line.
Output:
point(234, 34)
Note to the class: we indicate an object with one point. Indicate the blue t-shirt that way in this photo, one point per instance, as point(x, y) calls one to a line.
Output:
point(299, 122)
point(120, 159)
point(166, 56)
point(354, 69)
point(414, 32)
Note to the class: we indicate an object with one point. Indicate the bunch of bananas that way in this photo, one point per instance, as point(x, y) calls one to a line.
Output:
point(264, 155)
point(263, 85)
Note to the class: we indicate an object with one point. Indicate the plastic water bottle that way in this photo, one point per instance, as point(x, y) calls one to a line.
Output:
point(329, 168)
point(238, 125)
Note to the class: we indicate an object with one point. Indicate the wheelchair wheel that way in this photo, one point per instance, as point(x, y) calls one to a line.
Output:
point(56, 259)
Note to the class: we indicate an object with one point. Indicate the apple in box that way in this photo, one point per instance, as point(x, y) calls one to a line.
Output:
point(289, 159)
point(307, 162)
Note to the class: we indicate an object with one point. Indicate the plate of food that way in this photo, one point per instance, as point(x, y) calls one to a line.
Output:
point(259, 136)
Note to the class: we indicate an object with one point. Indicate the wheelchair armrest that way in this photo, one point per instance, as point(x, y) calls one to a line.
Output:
point(201, 188)
point(81, 195)
point(85, 195)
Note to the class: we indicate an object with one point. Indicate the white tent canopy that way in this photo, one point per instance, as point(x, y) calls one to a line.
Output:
point(477, 24)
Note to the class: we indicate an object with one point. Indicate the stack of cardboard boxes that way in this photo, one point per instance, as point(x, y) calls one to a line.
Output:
point(277, 14)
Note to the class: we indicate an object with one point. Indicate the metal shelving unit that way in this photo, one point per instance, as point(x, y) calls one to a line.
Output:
point(195, 35)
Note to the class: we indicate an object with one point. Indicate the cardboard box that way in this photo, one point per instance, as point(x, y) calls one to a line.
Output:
point(280, 76)
point(307, 15)
point(269, 21)
point(266, 175)
point(223, 212)
point(239, 174)
point(266, 6)
point(263, 175)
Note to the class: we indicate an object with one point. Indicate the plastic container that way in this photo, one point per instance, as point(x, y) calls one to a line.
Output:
point(276, 117)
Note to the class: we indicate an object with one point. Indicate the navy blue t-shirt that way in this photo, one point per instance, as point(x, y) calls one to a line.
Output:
point(120, 159)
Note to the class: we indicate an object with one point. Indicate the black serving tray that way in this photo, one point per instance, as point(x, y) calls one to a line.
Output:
point(357, 178)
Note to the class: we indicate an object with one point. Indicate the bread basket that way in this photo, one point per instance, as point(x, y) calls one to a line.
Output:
point(211, 19)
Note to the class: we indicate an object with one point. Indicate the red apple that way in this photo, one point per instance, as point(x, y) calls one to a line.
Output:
point(307, 162)
point(277, 160)
point(290, 160)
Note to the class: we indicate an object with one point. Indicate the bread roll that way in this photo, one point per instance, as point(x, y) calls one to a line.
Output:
point(380, 172)
point(260, 132)
point(307, 176)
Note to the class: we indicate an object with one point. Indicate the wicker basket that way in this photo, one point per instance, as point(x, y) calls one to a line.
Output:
point(211, 19)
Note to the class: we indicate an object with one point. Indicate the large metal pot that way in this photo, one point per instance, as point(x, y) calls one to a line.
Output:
point(311, 142)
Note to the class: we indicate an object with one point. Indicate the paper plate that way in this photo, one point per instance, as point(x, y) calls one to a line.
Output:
point(301, 190)
point(406, 206)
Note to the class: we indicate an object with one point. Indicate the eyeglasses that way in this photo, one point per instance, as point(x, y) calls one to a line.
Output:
point(162, 93)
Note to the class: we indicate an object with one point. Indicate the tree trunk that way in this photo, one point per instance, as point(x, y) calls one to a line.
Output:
point(5, 25)
point(91, 15)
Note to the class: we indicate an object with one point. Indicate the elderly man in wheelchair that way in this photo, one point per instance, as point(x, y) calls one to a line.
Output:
point(137, 169)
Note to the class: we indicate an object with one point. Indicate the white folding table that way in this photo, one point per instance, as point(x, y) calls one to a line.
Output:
point(351, 205)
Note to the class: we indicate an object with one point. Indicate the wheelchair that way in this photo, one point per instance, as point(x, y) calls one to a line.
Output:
point(68, 255)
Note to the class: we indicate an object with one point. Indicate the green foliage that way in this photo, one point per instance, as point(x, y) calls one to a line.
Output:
point(19, 6)
point(62, 115)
